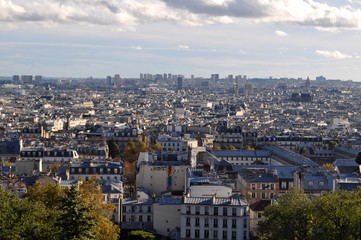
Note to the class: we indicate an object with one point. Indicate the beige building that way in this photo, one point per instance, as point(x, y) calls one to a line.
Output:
point(167, 216)
point(162, 177)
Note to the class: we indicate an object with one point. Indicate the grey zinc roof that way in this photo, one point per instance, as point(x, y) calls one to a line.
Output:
point(242, 153)
point(221, 201)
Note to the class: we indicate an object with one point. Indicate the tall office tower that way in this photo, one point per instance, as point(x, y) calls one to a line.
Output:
point(15, 79)
point(117, 81)
point(247, 90)
point(230, 77)
point(26, 79)
point(169, 76)
point(164, 76)
point(179, 83)
point(236, 90)
point(141, 76)
point(38, 79)
point(109, 82)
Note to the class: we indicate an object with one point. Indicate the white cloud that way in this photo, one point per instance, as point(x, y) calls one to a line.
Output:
point(332, 54)
point(183, 46)
point(280, 33)
point(138, 48)
point(127, 14)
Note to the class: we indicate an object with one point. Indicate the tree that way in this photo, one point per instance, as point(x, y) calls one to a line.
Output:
point(334, 215)
point(248, 147)
point(141, 235)
point(332, 145)
point(75, 220)
point(338, 215)
point(101, 211)
point(132, 150)
point(50, 194)
point(114, 150)
point(216, 147)
point(328, 166)
point(231, 147)
point(157, 147)
point(23, 219)
point(288, 219)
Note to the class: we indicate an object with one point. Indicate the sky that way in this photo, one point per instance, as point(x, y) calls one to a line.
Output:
point(256, 38)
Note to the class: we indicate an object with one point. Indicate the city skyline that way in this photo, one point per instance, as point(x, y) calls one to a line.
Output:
point(254, 38)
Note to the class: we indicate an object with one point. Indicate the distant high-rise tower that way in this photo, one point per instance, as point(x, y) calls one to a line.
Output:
point(236, 90)
point(247, 90)
point(26, 79)
point(179, 83)
point(109, 82)
point(38, 78)
point(15, 79)
point(117, 81)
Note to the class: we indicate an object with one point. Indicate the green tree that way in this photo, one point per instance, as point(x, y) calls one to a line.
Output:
point(289, 218)
point(132, 150)
point(104, 229)
point(157, 147)
point(216, 147)
point(328, 166)
point(114, 150)
point(332, 145)
point(338, 215)
point(332, 216)
point(248, 147)
point(231, 147)
point(141, 235)
point(23, 219)
point(75, 220)
point(50, 194)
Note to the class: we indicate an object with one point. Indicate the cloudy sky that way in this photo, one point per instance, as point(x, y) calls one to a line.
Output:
point(257, 38)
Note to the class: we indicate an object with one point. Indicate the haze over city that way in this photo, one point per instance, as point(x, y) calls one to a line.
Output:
point(258, 38)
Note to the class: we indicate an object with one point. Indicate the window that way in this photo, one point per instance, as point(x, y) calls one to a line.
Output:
point(149, 209)
point(224, 211)
point(234, 211)
point(283, 185)
point(234, 235)
point(259, 215)
point(188, 221)
point(234, 223)
point(215, 211)
point(310, 184)
point(271, 195)
point(253, 195)
point(245, 223)
point(206, 222)
point(188, 210)
point(188, 233)
point(140, 218)
point(263, 195)
point(215, 223)
point(206, 210)
point(224, 223)
point(272, 186)
point(215, 234)
point(224, 235)
point(321, 184)
point(149, 218)
point(206, 234)
point(196, 233)
point(197, 222)
point(124, 218)
point(197, 210)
